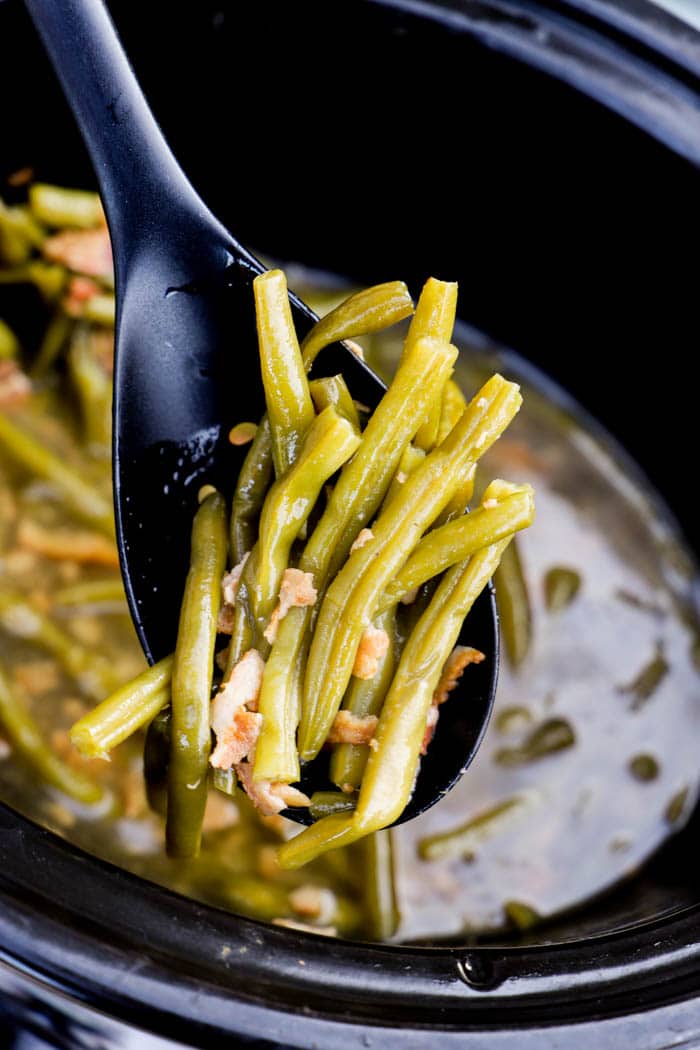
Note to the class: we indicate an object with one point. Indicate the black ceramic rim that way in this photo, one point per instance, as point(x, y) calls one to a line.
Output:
point(191, 972)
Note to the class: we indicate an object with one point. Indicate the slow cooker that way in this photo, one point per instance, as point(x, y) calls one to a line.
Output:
point(557, 143)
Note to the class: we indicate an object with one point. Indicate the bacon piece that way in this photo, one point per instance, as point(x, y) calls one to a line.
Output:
point(374, 645)
point(460, 657)
point(230, 582)
point(236, 726)
point(225, 620)
point(297, 589)
point(15, 386)
point(347, 728)
point(269, 796)
point(83, 251)
point(363, 537)
point(88, 548)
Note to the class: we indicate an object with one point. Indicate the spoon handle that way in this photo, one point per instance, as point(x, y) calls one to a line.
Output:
point(139, 178)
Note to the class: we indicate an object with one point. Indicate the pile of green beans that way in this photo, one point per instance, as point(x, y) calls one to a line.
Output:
point(406, 480)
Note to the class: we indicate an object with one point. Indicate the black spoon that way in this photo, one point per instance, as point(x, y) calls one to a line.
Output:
point(186, 362)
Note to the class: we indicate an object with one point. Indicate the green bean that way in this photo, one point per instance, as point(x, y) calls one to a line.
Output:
point(225, 781)
point(459, 503)
point(29, 744)
point(434, 316)
point(289, 406)
point(253, 482)
point(364, 312)
point(9, 343)
point(156, 760)
point(56, 206)
point(130, 708)
point(80, 497)
point(48, 278)
point(100, 309)
point(333, 390)
point(19, 234)
point(465, 840)
point(561, 585)
point(453, 404)
point(365, 696)
point(92, 673)
point(94, 389)
point(513, 604)
point(553, 735)
point(364, 481)
point(323, 803)
point(455, 541)
point(91, 592)
point(279, 702)
point(390, 773)
point(379, 888)
point(352, 597)
point(330, 441)
point(56, 335)
point(338, 829)
point(521, 915)
point(410, 461)
point(192, 679)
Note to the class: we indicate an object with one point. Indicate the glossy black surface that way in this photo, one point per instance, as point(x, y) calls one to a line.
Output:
point(569, 224)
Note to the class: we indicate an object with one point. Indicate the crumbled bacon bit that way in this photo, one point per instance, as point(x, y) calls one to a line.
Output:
point(72, 544)
point(409, 597)
point(297, 589)
point(401, 476)
point(84, 251)
point(347, 728)
point(356, 348)
point(225, 620)
point(242, 433)
point(489, 504)
point(230, 582)
point(313, 902)
point(15, 386)
point(269, 796)
point(347, 789)
point(20, 177)
point(236, 726)
point(363, 537)
point(460, 657)
point(374, 645)
point(221, 658)
point(374, 744)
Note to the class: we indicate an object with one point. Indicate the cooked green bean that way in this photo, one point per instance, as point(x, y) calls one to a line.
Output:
point(289, 406)
point(192, 679)
point(553, 735)
point(389, 776)
point(91, 592)
point(251, 487)
point(513, 604)
point(410, 461)
point(94, 389)
point(370, 310)
point(453, 404)
point(323, 803)
point(364, 481)
point(9, 343)
point(561, 585)
point(461, 499)
point(330, 441)
point(522, 916)
point(465, 840)
point(225, 780)
point(338, 829)
point(379, 887)
point(80, 498)
point(29, 744)
point(455, 541)
point(365, 696)
point(435, 317)
point(156, 759)
point(333, 390)
point(48, 278)
point(130, 708)
point(56, 336)
point(19, 234)
point(92, 673)
point(352, 597)
point(100, 309)
point(276, 755)
point(58, 207)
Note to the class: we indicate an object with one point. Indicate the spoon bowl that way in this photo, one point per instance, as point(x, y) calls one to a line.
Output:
point(186, 364)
